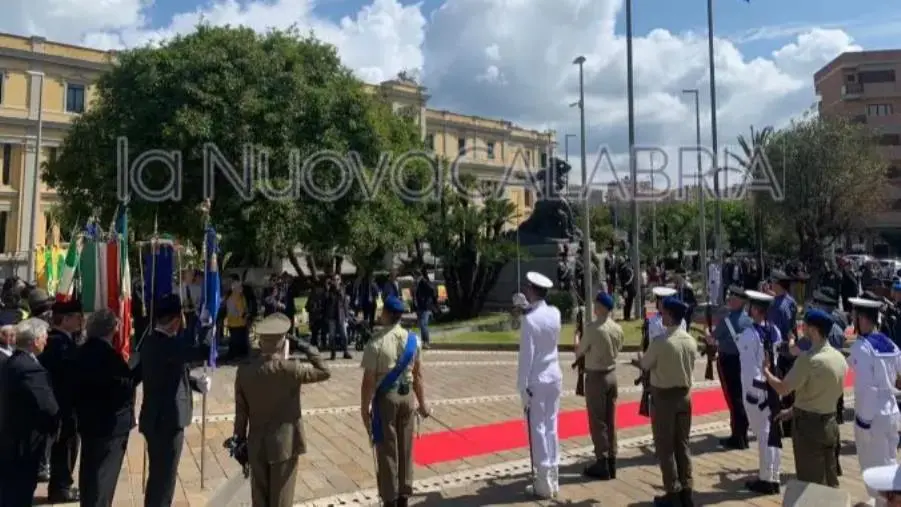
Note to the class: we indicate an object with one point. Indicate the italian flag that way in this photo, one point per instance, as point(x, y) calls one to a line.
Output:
point(122, 342)
point(67, 273)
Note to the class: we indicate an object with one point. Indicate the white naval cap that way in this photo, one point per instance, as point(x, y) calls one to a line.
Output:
point(663, 292)
point(865, 303)
point(884, 478)
point(760, 297)
point(539, 280)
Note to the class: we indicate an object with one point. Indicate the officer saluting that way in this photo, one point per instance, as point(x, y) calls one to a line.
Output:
point(755, 345)
point(167, 407)
point(391, 370)
point(876, 362)
point(670, 359)
point(267, 401)
point(728, 365)
point(599, 346)
point(58, 358)
point(539, 381)
point(817, 379)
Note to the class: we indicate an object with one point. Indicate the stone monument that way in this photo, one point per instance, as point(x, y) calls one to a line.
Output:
point(549, 241)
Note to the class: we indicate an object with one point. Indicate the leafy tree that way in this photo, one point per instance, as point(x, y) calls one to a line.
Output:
point(233, 88)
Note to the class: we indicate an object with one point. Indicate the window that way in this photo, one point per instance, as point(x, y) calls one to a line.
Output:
point(879, 110)
point(543, 159)
point(461, 145)
point(52, 154)
point(430, 141)
point(877, 76)
point(889, 140)
point(74, 98)
point(48, 228)
point(489, 147)
point(527, 198)
point(2, 82)
point(7, 163)
point(4, 217)
point(850, 78)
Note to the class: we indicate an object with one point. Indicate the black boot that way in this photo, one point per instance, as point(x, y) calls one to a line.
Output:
point(611, 466)
point(668, 500)
point(598, 470)
point(762, 487)
point(65, 496)
point(402, 502)
point(687, 498)
point(734, 442)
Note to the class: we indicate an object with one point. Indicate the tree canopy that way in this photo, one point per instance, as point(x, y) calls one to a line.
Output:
point(232, 87)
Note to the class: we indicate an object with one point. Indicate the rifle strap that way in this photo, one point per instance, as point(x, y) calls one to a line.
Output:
point(731, 328)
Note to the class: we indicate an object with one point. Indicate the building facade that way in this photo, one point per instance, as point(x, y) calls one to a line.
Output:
point(863, 86)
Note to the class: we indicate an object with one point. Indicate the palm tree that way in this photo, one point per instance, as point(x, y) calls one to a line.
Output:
point(751, 148)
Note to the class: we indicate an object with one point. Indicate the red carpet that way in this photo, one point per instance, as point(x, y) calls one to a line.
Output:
point(444, 446)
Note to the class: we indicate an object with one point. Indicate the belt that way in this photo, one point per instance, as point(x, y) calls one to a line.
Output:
point(813, 415)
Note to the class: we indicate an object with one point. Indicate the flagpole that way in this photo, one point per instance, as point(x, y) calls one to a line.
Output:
point(205, 208)
point(154, 240)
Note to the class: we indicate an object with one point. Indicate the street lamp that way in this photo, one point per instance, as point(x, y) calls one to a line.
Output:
point(702, 244)
point(717, 211)
point(586, 191)
point(633, 171)
point(35, 195)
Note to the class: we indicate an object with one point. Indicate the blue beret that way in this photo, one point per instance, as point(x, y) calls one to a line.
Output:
point(605, 300)
point(394, 304)
point(818, 318)
point(167, 306)
point(675, 305)
point(897, 286)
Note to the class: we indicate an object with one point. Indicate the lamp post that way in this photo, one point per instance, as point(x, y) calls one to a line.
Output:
point(717, 211)
point(702, 240)
point(35, 195)
point(586, 193)
point(633, 172)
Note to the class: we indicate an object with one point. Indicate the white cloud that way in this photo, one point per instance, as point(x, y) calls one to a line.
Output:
point(506, 58)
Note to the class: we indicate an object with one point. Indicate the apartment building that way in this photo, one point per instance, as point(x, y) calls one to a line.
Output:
point(864, 87)
point(57, 78)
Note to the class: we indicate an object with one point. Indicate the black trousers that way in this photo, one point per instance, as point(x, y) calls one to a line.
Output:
point(629, 305)
point(63, 455)
point(163, 453)
point(238, 342)
point(369, 314)
point(98, 472)
point(19, 476)
point(729, 368)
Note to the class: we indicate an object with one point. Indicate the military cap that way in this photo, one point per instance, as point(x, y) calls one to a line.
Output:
point(272, 328)
point(883, 479)
point(896, 286)
point(167, 306)
point(604, 300)
point(538, 280)
point(394, 304)
point(818, 318)
point(779, 276)
point(737, 291)
point(39, 301)
point(69, 307)
point(759, 298)
point(663, 292)
point(825, 296)
point(865, 303)
point(675, 306)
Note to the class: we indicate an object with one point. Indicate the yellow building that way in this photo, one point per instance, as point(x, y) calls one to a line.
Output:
point(67, 74)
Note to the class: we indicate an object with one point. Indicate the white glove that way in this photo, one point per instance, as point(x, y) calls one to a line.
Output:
point(526, 399)
point(287, 350)
point(204, 384)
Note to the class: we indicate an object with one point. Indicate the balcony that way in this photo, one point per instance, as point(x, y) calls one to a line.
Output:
point(852, 91)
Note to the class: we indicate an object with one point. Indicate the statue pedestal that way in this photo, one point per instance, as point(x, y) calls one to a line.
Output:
point(540, 257)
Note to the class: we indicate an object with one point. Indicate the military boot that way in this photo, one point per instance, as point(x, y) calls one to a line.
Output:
point(598, 470)
point(686, 496)
point(611, 466)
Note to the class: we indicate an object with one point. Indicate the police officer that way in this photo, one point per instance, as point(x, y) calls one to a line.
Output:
point(782, 314)
point(670, 359)
point(728, 365)
point(756, 345)
point(599, 346)
point(267, 411)
point(539, 381)
point(817, 379)
point(58, 358)
point(392, 375)
point(876, 362)
point(167, 405)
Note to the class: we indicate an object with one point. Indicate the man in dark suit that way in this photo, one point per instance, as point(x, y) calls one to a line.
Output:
point(167, 406)
point(58, 358)
point(104, 403)
point(24, 432)
point(7, 342)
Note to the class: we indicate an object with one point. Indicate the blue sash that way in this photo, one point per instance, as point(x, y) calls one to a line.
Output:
point(388, 382)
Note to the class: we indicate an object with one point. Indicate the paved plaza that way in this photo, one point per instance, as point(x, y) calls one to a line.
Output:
point(465, 389)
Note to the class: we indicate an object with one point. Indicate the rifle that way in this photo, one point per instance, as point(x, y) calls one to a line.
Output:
point(644, 408)
point(580, 362)
point(709, 350)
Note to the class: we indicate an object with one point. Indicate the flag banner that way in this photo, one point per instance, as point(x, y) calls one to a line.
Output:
point(122, 341)
point(67, 272)
point(90, 276)
point(211, 291)
point(159, 271)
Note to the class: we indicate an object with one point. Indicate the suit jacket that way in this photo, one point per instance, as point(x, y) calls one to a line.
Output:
point(104, 390)
point(28, 409)
point(167, 403)
point(267, 402)
point(58, 358)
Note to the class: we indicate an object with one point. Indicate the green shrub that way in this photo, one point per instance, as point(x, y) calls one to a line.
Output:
point(564, 301)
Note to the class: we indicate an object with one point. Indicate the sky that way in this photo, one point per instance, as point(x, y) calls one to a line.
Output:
point(512, 59)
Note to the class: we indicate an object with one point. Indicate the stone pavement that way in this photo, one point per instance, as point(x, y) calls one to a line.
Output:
point(465, 389)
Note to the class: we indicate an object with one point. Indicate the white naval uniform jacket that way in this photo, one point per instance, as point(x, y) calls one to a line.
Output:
point(750, 355)
point(876, 364)
point(538, 359)
point(656, 329)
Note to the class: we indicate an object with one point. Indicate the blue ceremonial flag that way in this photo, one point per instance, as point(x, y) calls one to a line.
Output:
point(211, 291)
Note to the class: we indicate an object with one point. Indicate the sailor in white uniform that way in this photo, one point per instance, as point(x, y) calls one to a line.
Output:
point(540, 383)
point(876, 362)
point(656, 329)
point(756, 344)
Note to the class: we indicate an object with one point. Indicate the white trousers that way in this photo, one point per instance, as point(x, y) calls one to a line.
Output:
point(877, 446)
point(769, 458)
point(544, 406)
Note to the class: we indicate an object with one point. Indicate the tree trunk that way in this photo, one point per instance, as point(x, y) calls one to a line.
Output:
point(289, 254)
